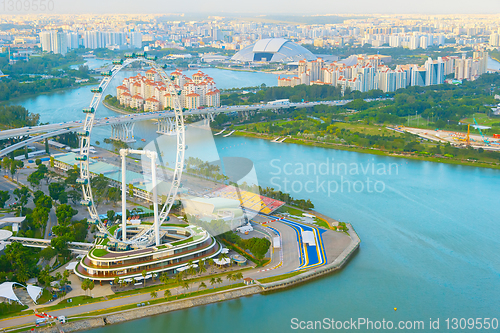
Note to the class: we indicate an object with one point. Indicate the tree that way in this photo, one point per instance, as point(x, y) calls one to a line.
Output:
point(44, 277)
point(42, 200)
point(22, 261)
point(91, 285)
point(22, 194)
point(219, 280)
point(185, 285)
point(202, 285)
point(153, 294)
point(100, 185)
point(238, 276)
point(55, 190)
point(229, 277)
point(85, 285)
point(14, 166)
point(114, 195)
point(73, 175)
point(202, 268)
point(40, 216)
point(167, 293)
point(223, 256)
point(213, 281)
point(211, 263)
point(34, 179)
point(65, 213)
point(179, 277)
point(6, 164)
point(144, 273)
point(60, 244)
point(116, 281)
point(110, 215)
point(4, 197)
point(191, 270)
point(48, 253)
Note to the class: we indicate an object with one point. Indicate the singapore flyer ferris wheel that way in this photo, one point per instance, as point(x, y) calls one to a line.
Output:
point(150, 235)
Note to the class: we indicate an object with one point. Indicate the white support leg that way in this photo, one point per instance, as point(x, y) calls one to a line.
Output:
point(155, 198)
point(123, 154)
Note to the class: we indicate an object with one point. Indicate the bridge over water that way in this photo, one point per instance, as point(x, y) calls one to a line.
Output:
point(122, 126)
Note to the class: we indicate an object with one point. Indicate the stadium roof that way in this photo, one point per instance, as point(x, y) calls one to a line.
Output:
point(273, 50)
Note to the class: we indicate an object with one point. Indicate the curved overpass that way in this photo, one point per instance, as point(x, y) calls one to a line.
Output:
point(51, 130)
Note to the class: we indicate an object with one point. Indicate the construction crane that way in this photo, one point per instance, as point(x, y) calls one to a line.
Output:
point(482, 135)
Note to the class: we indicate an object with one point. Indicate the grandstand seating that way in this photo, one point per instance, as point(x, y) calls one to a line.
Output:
point(250, 200)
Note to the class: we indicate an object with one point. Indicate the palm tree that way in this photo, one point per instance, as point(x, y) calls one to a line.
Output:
point(229, 277)
point(164, 278)
point(144, 273)
point(179, 277)
point(211, 263)
point(202, 285)
point(116, 281)
point(219, 280)
point(213, 281)
point(223, 256)
point(238, 276)
point(153, 294)
point(202, 268)
point(167, 293)
point(185, 285)
point(191, 270)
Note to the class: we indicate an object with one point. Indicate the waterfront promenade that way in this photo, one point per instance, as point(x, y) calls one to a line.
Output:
point(290, 247)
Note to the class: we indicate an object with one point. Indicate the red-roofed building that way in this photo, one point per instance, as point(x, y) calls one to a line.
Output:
point(192, 101)
point(152, 104)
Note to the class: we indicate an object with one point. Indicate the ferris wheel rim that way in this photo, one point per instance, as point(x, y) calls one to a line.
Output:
point(84, 141)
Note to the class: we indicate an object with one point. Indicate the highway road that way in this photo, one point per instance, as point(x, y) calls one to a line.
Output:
point(78, 124)
point(50, 130)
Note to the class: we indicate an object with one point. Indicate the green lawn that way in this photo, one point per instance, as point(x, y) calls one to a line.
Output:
point(323, 224)
point(6, 309)
point(290, 210)
point(46, 296)
point(482, 119)
point(99, 252)
point(278, 277)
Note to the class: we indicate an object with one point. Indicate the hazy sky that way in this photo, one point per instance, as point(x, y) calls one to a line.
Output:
point(279, 6)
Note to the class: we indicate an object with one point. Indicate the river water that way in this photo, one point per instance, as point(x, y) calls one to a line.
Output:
point(430, 234)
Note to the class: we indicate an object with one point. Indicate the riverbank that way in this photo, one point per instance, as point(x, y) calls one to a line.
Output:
point(114, 108)
point(372, 151)
point(79, 85)
point(132, 312)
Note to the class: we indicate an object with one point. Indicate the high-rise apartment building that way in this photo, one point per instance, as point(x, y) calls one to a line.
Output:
point(54, 41)
point(495, 40)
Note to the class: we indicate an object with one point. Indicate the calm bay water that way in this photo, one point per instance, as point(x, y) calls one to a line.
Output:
point(429, 239)
point(429, 246)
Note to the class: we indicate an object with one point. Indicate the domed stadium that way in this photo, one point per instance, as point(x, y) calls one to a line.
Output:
point(273, 50)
